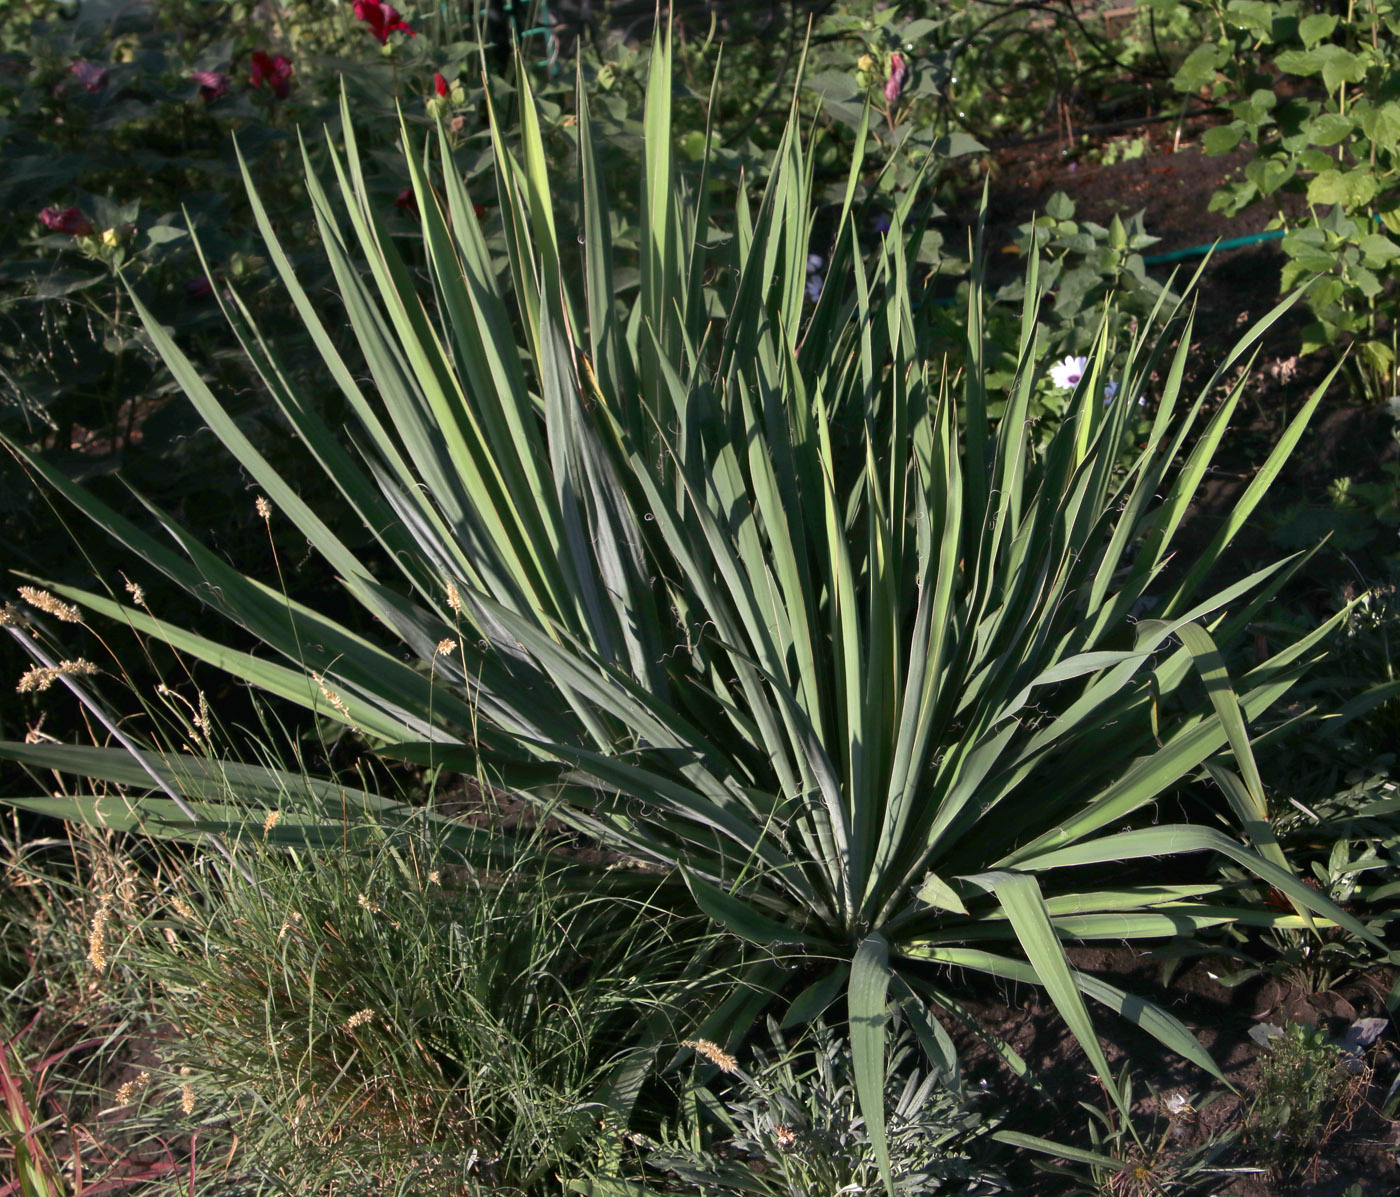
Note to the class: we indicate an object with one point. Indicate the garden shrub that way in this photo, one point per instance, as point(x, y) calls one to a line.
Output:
point(743, 586)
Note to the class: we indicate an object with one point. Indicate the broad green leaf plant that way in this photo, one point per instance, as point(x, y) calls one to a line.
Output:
point(751, 589)
point(1315, 94)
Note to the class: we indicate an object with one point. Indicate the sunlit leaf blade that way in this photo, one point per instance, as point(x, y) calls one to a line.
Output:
point(869, 985)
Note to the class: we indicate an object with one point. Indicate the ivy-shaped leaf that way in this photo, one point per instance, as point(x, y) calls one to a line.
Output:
point(1199, 69)
point(1059, 206)
point(1269, 174)
point(1222, 139)
point(1365, 281)
point(1328, 187)
point(1316, 27)
point(1297, 62)
point(1377, 250)
point(1316, 160)
point(1329, 128)
point(1382, 124)
point(1350, 188)
point(1253, 15)
point(1340, 66)
point(1309, 256)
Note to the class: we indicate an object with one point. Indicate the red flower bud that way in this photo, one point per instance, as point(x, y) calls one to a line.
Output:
point(896, 80)
point(382, 19)
point(66, 220)
point(273, 69)
point(440, 83)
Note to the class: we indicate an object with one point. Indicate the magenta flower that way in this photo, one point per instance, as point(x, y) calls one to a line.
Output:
point(407, 201)
point(212, 84)
point(90, 75)
point(273, 69)
point(382, 19)
point(66, 220)
point(896, 80)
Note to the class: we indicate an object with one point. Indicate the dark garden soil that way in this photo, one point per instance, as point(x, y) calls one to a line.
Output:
point(1172, 185)
point(1364, 1150)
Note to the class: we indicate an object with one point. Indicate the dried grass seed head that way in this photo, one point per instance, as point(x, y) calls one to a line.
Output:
point(358, 1019)
point(48, 603)
point(39, 677)
point(97, 937)
point(130, 1089)
point(715, 1054)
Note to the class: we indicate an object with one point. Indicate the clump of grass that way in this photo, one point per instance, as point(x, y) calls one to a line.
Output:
point(390, 1019)
point(394, 1017)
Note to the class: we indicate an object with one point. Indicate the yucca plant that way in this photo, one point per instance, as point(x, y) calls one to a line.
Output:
point(750, 589)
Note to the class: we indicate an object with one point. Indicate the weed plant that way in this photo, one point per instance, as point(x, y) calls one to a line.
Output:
point(1171, 1155)
point(1313, 93)
point(1309, 1091)
point(399, 1018)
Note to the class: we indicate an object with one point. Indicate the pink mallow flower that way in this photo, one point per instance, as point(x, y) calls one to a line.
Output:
point(66, 220)
point(1066, 374)
point(895, 84)
point(382, 19)
point(273, 69)
point(90, 75)
point(212, 84)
